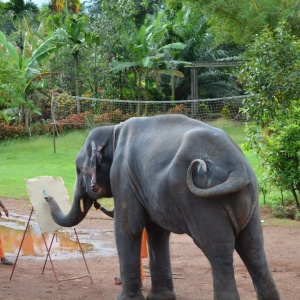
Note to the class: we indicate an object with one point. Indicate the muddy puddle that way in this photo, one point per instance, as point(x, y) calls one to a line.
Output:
point(64, 244)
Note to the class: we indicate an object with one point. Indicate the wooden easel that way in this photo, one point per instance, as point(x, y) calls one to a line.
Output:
point(48, 254)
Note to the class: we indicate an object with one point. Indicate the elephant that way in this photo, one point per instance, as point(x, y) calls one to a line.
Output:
point(173, 174)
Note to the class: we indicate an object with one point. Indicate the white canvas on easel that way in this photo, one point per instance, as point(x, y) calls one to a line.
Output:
point(55, 187)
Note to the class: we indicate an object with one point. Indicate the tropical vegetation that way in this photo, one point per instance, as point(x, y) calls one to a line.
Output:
point(272, 75)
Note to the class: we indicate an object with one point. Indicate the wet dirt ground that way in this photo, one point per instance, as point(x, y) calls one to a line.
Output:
point(191, 270)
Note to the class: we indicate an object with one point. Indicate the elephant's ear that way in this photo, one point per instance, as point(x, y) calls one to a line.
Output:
point(97, 155)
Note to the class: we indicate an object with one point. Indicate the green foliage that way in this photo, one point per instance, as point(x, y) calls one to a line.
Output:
point(225, 113)
point(286, 212)
point(150, 56)
point(273, 75)
point(21, 8)
point(115, 27)
point(297, 216)
point(262, 188)
point(203, 110)
point(11, 85)
point(192, 28)
point(27, 75)
point(280, 150)
point(23, 12)
point(148, 36)
point(238, 21)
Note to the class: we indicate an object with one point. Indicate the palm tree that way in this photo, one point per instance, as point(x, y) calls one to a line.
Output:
point(71, 7)
point(201, 47)
point(57, 5)
point(64, 8)
point(20, 11)
point(6, 24)
point(72, 39)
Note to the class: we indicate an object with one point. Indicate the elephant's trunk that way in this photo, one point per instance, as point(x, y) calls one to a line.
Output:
point(236, 181)
point(78, 211)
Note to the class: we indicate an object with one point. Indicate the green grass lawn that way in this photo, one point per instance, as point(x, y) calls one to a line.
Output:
point(33, 157)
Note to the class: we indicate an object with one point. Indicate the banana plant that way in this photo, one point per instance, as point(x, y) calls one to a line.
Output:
point(29, 68)
point(149, 57)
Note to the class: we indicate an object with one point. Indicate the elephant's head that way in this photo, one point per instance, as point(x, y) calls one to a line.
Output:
point(93, 164)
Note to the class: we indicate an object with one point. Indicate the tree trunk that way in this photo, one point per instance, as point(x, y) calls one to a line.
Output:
point(76, 84)
point(139, 92)
point(295, 196)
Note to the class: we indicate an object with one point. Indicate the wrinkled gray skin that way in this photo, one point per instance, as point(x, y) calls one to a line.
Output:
point(173, 174)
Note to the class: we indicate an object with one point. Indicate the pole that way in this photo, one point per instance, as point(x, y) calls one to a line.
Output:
point(194, 88)
point(53, 122)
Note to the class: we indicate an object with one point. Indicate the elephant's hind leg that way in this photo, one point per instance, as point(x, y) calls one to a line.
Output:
point(215, 237)
point(221, 261)
point(250, 247)
point(160, 266)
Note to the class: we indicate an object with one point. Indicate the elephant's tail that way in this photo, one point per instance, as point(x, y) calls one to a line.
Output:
point(236, 181)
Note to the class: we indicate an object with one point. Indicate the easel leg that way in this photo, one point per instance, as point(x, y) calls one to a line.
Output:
point(48, 252)
point(83, 255)
point(15, 264)
point(48, 255)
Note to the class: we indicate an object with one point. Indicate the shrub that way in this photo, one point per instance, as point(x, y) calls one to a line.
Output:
point(274, 127)
point(297, 215)
point(74, 121)
point(12, 131)
point(41, 128)
point(203, 110)
point(178, 109)
point(225, 113)
point(65, 106)
point(286, 212)
point(112, 117)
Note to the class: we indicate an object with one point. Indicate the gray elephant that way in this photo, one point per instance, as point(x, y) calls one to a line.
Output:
point(171, 173)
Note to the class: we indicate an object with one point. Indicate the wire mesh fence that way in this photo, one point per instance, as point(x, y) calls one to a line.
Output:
point(82, 112)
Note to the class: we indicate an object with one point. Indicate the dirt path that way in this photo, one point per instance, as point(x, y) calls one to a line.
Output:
point(191, 271)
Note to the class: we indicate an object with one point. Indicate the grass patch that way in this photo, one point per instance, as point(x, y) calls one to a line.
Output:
point(235, 130)
point(281, 222)
point(33, 157)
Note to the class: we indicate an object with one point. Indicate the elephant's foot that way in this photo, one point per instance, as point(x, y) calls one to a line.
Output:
point(161, 295)
point(130, 296)
point(226, 296)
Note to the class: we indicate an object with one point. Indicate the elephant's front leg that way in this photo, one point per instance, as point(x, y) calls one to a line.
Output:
point(129, 247)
